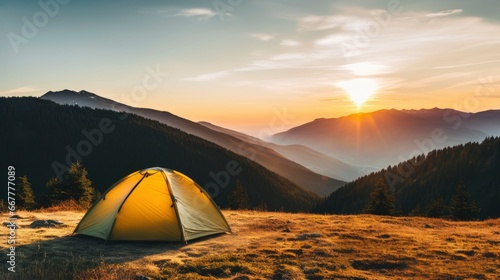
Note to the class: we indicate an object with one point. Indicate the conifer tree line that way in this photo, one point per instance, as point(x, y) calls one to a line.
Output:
point(460, 182)
point(238, 198)
point(75, 186)
point(461, 207)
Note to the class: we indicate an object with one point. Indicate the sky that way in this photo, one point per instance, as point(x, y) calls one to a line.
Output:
point(256, 65)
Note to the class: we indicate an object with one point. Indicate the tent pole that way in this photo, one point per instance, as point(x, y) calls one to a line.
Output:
point(174, 202)
point(123, 202)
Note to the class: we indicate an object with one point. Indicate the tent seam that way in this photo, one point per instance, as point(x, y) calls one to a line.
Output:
point(121, 205)
point(174, 202)
point(103, 196)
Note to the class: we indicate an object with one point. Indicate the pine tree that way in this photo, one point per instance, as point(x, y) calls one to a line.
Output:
point(78, 186)
point(262, 206)
point(462, 206)
point(25, 197)
point(417, 211)
point(3, 206)
point(382, 200)
point(238, 198)
point(55, 193)
point(75, 186)
point(436, 208)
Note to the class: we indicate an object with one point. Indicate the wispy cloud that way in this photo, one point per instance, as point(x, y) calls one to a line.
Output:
point(466, 64)
point(201, 13)
point(318, 23)
point(26, 89)
point(207, 77)
point(367, 68)
point(262, 36)
point(388, 55)
point(401, 56)
point(310, 23)
point(445, 13)
point(333, 39)
point(445, 79)
point(289, 43)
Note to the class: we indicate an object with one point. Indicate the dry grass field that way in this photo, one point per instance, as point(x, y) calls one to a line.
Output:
point(267, 245)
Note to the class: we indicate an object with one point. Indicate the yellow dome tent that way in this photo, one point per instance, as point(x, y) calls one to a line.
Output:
point(153, 204)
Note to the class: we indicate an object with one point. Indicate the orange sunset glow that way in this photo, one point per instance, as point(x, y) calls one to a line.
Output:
point(326, 60)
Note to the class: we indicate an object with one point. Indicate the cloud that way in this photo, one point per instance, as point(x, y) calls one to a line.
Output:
point(262, 36)
point(367, 68)
point(359, 18)
point(304, 60)
point(445, 13)
point(201, 13)
point(333, 39)
point(411, 51)
point(207, 77)
point(315, 23)
point(20, 90)
point(289, 43)
point(466, 64)
point(318, 23)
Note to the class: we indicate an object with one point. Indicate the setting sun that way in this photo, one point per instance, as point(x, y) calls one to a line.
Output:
point(359, 90)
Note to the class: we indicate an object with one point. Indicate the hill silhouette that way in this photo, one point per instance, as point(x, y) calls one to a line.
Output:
point(377, 139)
point(298, 171)
point(38, 135)
point(428, 178)
point(309, 158)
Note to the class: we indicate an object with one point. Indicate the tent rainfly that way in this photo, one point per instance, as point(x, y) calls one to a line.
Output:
point(154, 204)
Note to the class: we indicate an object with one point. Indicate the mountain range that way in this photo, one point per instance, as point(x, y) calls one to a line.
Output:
point(259, 151)
point(290, 173)
point(309, 158)
point(322, 155)
point(375, 140)
point(41, 138)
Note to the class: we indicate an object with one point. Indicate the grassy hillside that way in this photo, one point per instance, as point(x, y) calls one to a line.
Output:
point(424, 179)
point(36, 133)
point(268, 246)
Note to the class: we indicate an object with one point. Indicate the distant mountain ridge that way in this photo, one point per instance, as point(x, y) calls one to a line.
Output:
point(384, 137)
point(81, 98)
point(313, 160)
point(267, 157)
point(36, 133)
